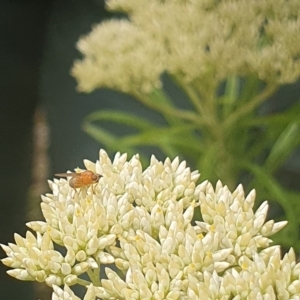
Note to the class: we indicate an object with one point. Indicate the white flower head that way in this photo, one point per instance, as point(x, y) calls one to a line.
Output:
point(200, 42)
point(129, 48)
point(142, 221)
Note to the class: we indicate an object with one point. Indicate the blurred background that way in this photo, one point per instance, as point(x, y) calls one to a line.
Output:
point(41, 112)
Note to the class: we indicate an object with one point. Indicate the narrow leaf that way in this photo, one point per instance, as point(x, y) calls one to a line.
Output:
point(284, 145)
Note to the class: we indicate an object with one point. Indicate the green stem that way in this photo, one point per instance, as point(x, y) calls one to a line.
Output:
point(83, 282)
point(94, 276)
point(231, 95)
point(225, 167)
point(204, 102)
point(215, 138)
point(160, 98)
point(250, 105)
point(168, 110)
point(191, 93)
point(206, 117)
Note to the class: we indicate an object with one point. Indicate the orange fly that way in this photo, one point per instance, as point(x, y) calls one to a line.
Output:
point(82, 179)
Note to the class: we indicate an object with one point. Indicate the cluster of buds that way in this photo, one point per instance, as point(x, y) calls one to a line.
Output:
point(168, 237)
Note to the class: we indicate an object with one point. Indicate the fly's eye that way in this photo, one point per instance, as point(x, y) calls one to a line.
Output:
point(94, 177)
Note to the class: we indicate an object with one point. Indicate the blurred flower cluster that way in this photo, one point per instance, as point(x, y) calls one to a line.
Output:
point(166, 236)
point(197, 42)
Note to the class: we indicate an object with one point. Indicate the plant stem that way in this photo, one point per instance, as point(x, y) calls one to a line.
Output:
point(168, 110)
point(192, 94)
point(82, 282)
point(250, 105)
point(94, 276)
point(215, 136)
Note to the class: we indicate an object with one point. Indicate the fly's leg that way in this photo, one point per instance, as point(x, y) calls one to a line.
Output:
point(94, 188)
point(75, 193)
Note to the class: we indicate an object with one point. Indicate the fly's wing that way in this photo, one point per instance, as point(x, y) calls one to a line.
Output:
point(71, 174)
point(76, 180)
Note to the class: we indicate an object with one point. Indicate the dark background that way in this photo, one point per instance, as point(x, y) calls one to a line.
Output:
point(36, 54)
point(37, 51)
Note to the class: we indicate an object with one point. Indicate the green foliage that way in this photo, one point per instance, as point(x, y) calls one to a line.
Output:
point(223, 136)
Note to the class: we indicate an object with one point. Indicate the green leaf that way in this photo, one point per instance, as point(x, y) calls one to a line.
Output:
point(207, 163)
point(157, 135)
point(231, 95)
point(249, 88)
point(106, 138)
point(119, 117)
point(278, 120)
point(168, 139)
point(287, 141)
point(159, 97)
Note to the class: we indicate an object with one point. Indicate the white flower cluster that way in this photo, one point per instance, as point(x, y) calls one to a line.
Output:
point(201, 42)
point(143, 222)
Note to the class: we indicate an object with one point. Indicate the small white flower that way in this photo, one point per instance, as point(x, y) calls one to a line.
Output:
point(232, 217)
point(63, 294)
